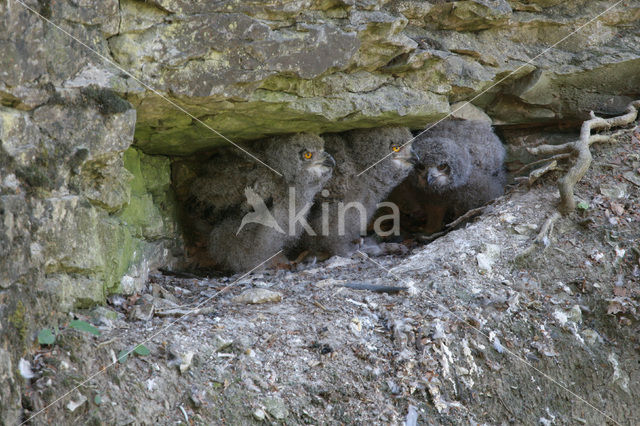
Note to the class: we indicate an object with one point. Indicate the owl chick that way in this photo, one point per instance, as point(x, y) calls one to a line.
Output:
point(242, 212)
point(342, 211)
point(461, 167)
point(485, 149)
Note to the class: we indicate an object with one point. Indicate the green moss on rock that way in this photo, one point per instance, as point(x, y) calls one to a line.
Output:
point(121, 250)
point(150, 203)
point(18, 320)
point(105, 100)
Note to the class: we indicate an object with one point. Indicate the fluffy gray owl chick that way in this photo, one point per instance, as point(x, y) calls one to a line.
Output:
point(461, 167)
point(231, 186)
point(485, 148)
point(354, 151)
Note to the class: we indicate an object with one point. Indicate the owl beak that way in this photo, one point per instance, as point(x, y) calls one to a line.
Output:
point(414, 159)
point(328, 161)
point(435, 177)
point(407, 156)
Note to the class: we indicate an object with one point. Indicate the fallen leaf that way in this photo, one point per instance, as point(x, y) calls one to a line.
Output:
point(632, 177)
point(614, 308)
point(46, 337)
point(582, 205)
point(620, 292)
point(617, 208)
point(84, 326)
point(122, 356)
point(73, 405)
point(614, 191)
point(142, 350)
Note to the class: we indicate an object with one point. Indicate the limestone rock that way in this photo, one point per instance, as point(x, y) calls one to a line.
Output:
point(253, 70)
point(276, 407)
point(469, 15)
point(467, 111)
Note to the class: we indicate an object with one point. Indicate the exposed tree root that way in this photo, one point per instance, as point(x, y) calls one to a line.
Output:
point(580, 149)
point(539, 172)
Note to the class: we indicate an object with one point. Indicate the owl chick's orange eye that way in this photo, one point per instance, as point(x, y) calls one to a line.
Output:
point(395, 148)
point(307, 155)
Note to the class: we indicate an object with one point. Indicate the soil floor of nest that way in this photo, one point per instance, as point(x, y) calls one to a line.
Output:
point(480, 335)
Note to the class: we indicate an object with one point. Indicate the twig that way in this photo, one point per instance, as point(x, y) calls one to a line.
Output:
point(468, 215)
point(450, 226)
point(506, 407)
point(178, 274)
point(542, 161)
point(320, 305)
point(431, 237)
point(389, 289)
point(184, 413)
point(543, 236)
point(184, 311)
point(106, 342)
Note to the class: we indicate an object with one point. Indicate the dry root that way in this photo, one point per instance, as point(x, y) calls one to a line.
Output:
point(451, 226)
point(539, 172)
point(580, 150)
point(468, 215)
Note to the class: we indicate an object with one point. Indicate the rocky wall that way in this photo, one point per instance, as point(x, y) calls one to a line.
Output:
point(254, 68)
point(82, 215)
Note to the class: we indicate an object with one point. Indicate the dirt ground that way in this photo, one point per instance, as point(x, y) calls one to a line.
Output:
point(481, 335)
